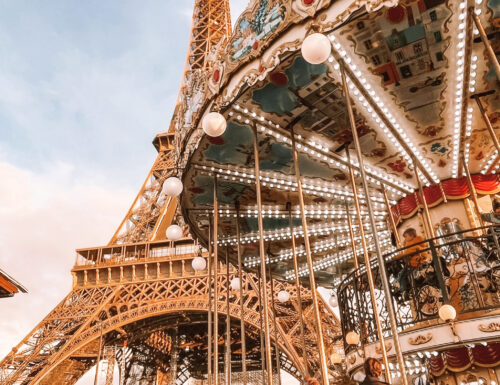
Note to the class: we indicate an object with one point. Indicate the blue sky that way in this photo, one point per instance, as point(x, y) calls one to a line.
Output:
point(91, 82)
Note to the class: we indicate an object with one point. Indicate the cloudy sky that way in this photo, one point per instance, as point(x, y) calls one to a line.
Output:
point(84, 88)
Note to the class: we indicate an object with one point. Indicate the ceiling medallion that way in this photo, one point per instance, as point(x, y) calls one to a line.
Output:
point(490, 328)
point(420, 339)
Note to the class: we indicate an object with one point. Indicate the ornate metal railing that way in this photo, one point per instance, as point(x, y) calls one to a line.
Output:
point(460, 268)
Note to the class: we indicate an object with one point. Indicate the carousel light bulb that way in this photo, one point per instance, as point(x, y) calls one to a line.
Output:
point(447, 313)
point(173, 186)
point(352, 338)
point(333, 301)
point(316, 48)
point(199, 264)
point(214, 124)
point(283, 296)
point(174, 232)
point(235, 284)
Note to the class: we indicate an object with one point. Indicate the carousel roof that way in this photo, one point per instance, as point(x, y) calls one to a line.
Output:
point(412, 70)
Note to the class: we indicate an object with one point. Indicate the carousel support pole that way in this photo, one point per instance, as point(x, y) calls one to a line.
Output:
point(473, 192)
point(371, 283)
point(435, 258)
point(351, 235)
point(297, 287)
point(275, 325)
point(228, 325)
point(380, 258)
point(216, 285)
point(477, 97)
point(242, 307)
point(262, 349)
point(427, 214)
point(489, 49)
point(391, 217)
point(262, 253)
point(209, 360)
point(312, 281)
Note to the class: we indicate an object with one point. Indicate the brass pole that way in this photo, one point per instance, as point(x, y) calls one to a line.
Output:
point(380, 258)
point(299, 295)
point(486, 119)
point(391, 217)
point(262, 253)
point(489, 49)
point(473, 192)
point(371, 283)
point(209, 360)
point(262, 348)
point(216, 284)
point(351, 234)
point(427, 214)
point(98, 355)
point(312, 281)
point(228, 325)
point(275, 325)
point(242, 307)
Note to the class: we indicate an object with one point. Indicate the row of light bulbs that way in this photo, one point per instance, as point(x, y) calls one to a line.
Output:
point(284, 234)
point(332, 260)
point(382, 109)
point(314, 149)
point(281, 182)
point(317, 247)
point(460, 96)
point(275, 213)
point(490, 161)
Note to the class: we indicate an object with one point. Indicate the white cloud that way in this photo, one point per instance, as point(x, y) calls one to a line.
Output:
point(44, 217)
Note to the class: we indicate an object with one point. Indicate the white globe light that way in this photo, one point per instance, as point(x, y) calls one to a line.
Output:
point(199, 264)
point(447, 313)
point(333, 301)
point(214, 124)
point(235, 284)
point(336, 358)
point(283, 296)
point(174, 232)
point(352, 338)
point(172, 186)
point(316, 48)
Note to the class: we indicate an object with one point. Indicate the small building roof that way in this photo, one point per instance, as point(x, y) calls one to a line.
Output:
point(9, 286)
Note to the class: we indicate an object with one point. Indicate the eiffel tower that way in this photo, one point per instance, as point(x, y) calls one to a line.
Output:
point(139, 304)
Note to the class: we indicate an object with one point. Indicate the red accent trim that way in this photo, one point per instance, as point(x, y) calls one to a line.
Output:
point(460, 359)
point(453, 189)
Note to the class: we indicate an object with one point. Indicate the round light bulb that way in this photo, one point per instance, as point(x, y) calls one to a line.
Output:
point(235, 284)
point(316, 48)
point(174, 232)
point(336, 358)
point(199, 263)
point(283, 296)
point(214, 124)
point(447, 313)
point(172, 186)
point(333, 301)
point(352, 338)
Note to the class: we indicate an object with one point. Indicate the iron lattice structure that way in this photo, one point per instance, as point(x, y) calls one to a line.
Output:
point(112, 296)
point(141, 289)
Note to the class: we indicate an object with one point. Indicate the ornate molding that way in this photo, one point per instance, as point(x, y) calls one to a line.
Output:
point(388, 347)
point(490, 328)
point(352, 359)
point(420, 339)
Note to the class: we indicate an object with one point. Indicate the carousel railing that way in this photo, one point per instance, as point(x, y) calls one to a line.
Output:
point(460, 268)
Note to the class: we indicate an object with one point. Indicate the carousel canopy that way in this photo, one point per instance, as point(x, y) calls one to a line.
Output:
point(419, 77)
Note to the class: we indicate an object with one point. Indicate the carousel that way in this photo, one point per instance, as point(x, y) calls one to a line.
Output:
point(352, 145)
